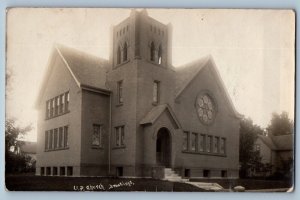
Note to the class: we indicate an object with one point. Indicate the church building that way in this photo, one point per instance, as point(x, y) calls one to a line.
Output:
point(135, 115)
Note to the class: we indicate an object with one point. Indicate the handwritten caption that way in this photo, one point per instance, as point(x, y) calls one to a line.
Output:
point(101, 187)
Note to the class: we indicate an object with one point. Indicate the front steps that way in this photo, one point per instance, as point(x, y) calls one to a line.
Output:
point(170, 175)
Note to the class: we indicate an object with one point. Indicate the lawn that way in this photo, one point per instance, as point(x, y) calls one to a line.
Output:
point(48, 183)
point(56, 183)
point(249, 184)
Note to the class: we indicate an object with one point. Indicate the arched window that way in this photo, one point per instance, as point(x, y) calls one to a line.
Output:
point(159, 54)
point(125, 52)
point(152, 51)
point(119, 55)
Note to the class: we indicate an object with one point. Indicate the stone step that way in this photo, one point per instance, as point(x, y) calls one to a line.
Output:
point(172, 176)
point(169, 173)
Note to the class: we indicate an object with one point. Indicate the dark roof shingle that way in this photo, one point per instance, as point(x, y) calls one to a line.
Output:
point(186, 73)
point(88, 70)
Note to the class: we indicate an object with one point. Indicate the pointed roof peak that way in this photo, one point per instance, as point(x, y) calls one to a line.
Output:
point(155, 112)
point(144, 12)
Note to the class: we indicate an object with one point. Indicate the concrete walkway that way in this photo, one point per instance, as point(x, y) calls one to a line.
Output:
point(273, 190)
point(207, 186)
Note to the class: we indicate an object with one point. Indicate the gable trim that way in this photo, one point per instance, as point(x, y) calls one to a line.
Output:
point(220, 84)
point(192, 78)
point(148, 120)
point(67, 65)
point(50, 62)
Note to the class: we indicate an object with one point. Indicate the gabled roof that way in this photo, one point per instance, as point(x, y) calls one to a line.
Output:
point(278, 143)
point(88, 71)
point(283, 142)
point(268, 141)
point(155, 112)
point(187, 73)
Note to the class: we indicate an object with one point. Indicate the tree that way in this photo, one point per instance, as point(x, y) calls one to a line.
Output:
point(280, 124)
point(14, 161)
point(249, 157)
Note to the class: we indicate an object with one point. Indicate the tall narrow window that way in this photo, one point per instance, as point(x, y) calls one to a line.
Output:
point(201, 144)
point(216, 144)
point(67, 96)
point(46, 140)
point(193, 141)
point(66, 137)
point(60, 137)
point(56, 106)
point(185, 144)
point(47, 109)
point(152, 52)
point(119, 55)
point(125, 52)
point(222, 145)
point(52, 107)
point(97, 135)
point(51, 140)
point(117, 137)
point(120, 136)
point(208, 143)
point(120, 92)
point(55, 138)
point(155, 91)
point(159, 54)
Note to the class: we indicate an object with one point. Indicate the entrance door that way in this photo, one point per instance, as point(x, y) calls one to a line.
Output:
point(163, 148)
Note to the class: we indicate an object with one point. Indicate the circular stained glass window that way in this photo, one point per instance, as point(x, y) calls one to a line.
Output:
point(205, 108)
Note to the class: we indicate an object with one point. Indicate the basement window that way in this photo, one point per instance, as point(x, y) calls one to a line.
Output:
point(187, 173)
point(206, 173)
point(119, 171)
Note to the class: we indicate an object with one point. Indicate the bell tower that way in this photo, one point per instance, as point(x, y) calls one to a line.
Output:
point(141, 37)
point(141, 77)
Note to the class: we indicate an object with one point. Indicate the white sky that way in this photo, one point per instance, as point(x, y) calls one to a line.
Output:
point(253, 50)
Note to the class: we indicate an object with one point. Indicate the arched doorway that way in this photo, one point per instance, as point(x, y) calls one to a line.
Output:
point(163, 147)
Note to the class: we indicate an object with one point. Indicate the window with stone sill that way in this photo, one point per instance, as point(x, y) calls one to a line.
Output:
point(56, 139)
point(120, 136)
point(58, 105)
point(185, 144)
point(193, 141)
point(120, 92)
point(156, 88)
point(97, 135)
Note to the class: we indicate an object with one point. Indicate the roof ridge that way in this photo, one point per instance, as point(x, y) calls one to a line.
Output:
point(61, 46)
point(186, 68)
point(191, 63)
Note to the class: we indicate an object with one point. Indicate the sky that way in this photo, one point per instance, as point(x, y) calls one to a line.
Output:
point(253, 51)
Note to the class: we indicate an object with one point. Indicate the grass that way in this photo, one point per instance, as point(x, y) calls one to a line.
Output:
point(52, 183)
point(249, 184)
point(23, 182)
